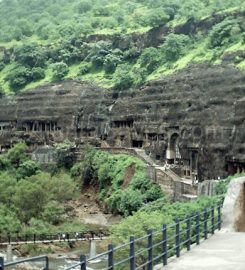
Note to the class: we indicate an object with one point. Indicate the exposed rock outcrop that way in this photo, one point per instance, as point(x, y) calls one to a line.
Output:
point(233, 212)
point(194, 119)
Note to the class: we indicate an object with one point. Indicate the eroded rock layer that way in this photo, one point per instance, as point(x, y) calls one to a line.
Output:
point(194, 119)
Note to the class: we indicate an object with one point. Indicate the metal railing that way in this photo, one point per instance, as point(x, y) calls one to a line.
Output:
point(157, 246)
point(45, 238)
point(33, 259)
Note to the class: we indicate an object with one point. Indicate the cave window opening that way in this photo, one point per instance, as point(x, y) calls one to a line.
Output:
point(161, 137)
point(123, 124)
point(173, 152)
point(158, 157)
point(152, 136)
point(137, 144)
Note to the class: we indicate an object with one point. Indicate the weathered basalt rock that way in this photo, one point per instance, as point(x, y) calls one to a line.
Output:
point(233, 212)
point(194, 119)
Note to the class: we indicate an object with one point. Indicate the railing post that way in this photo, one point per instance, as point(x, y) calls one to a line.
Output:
point(110, 257)
point(164, 245)
point(131, 253)
point(188, 234)
point(219, 217)
point(83, 262)
point(34, 238)
point(1, 263)
point(9, 238)
point(177, 238)
point(46, 263)
point(150, 250)
point(212, 218)
point(205, 225)
point(198, 228)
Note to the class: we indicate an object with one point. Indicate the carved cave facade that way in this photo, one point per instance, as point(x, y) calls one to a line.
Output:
point(193, 121)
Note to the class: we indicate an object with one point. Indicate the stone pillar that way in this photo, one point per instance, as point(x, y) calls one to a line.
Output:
point(9, 253)
point(92, 248)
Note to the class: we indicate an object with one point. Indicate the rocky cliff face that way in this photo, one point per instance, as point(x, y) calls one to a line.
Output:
point(194, 120)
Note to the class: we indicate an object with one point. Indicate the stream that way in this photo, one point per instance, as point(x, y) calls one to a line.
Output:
point(61, 262)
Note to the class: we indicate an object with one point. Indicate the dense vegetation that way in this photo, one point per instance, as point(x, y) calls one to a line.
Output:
point(120, 195)
point(36, 200)
point(50, 40)
point(161, 211)
point(33, 199)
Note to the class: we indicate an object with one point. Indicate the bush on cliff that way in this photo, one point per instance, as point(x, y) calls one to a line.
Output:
point(121, 195)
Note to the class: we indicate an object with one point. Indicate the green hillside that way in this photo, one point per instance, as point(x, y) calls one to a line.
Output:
point(113, 43)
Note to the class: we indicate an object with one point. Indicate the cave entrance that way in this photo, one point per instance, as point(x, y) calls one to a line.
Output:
point(173, 153)
point(137, 144)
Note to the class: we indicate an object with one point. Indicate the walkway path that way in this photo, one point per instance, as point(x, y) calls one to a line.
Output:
point(223, 251)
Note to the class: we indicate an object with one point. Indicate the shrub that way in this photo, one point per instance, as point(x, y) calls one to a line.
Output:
point(123, 77)
point(175, 46)
point(84, 69)
point(224, 33)
point(150, 59)
point(18, 77)
point(29, 200)
point(8, 220)
point(60, 70)
point(30, 55)
point(38, 73)
point(64, 154)
point(125, 201)
point(53, 212)
point(27, 168)
point(83, 6)
point(17, 154)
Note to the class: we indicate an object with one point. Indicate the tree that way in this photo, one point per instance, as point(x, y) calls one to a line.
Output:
point(175, 46)
point(53, 212)
point(123, 77)
point(17, 154)
point(64, 154)
point(97, 53)
point(7, 188)
point(30, 55)
point(150, 59)
point(27, 168)
point(29, 200)
point(38, 73)
point(125, 202)
point(83, 6)
point(112, 60)
point(224, 33)
point(8, 220)
point(60, 70)
point(18, 77)
point(156, 17)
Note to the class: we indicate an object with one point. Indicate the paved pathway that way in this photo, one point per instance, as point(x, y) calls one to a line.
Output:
point(223, 251)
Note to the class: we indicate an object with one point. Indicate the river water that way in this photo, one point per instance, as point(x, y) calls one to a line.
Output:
point(60, 262)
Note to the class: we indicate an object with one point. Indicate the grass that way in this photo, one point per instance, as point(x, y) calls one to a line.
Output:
point(236, 47)
point(3, 75)
point(197, 54)
point(47, 79)
point(241, 65)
